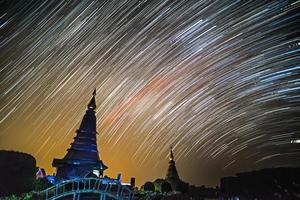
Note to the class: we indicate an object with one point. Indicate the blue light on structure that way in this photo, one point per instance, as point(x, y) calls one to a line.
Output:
point(51, 179)
point(106, 187)
point(76, 163)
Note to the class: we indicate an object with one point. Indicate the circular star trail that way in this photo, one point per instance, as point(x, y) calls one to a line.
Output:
point(218, 80)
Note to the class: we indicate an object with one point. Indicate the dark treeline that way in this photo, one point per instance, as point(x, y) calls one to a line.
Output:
point(17, 172)
point(265, 184)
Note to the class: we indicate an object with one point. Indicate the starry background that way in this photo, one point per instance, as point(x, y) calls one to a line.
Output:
point(218, 80)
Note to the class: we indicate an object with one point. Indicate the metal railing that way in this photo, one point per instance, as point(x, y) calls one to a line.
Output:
point(74, 188)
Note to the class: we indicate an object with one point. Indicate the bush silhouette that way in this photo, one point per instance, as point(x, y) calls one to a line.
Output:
point(149, 186)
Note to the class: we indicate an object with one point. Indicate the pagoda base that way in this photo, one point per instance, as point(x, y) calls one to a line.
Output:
point(71, 168)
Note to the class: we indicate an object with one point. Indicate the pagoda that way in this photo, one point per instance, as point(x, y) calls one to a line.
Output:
point(82, 158)
point(172, 176)
point(172, 173)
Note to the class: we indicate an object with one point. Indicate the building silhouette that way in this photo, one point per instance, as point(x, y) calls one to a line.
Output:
point(82, 158)
point(172, 173)
point(172, 176)
point(172, 181)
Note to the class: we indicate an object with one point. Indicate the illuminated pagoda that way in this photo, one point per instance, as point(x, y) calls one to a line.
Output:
point(172, 176)
point(82, 158)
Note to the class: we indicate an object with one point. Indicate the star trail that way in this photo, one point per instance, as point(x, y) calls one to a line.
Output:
point(218, 80)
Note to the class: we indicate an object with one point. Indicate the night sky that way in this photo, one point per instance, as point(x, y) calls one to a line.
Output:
point(218, 80)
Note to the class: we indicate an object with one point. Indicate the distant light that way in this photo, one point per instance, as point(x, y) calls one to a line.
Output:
point(128, 184)
point(295, 141)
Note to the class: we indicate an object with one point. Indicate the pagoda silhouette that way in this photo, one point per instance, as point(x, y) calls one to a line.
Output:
point(172, 173)
point(82, 158)
point(172, 176)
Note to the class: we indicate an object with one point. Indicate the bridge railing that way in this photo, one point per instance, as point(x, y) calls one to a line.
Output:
point(103, 186)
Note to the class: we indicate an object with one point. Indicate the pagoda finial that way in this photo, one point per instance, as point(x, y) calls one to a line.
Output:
point(92, 104)
point(171, 154)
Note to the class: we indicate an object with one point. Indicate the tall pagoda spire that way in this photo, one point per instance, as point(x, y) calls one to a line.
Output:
point(172, 173)
point(82, 158)
point(172, 176)
point(92, 104)
point(171, 153)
